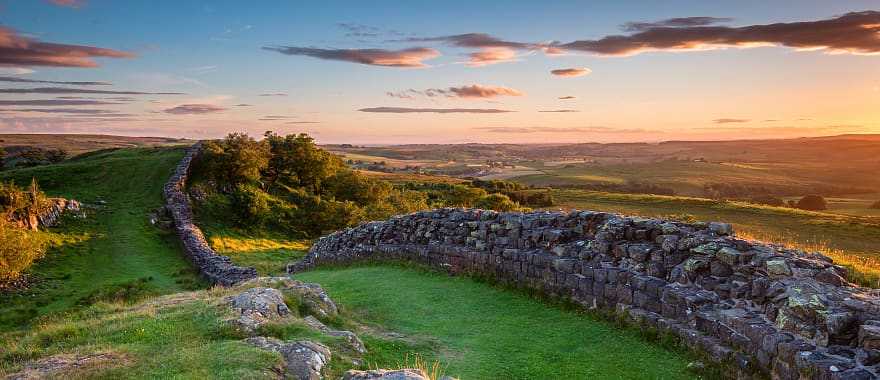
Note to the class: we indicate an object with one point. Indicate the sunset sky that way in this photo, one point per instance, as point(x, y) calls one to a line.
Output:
point(442, 72)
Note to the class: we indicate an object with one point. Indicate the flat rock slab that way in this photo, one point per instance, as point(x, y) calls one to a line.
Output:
point(303, 360)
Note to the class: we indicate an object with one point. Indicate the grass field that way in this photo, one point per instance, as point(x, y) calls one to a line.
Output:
point(480, 332)
point(114, 252)
point(77, 144)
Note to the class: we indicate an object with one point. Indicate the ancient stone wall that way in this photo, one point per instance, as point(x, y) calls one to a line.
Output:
point(761, 309)
point(216, 268)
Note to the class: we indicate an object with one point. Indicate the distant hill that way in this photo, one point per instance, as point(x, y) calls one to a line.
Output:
point(78, 144)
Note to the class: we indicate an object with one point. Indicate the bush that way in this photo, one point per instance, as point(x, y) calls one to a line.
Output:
point(768, 200)
point(812, 203)
point(497, 202)
point(18, 250)
point(876, 205)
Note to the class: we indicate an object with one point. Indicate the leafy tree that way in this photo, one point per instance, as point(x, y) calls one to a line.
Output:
point(56, 155)
point(464, 196)
point(298, 162)
point(812, 203)
point(497, 202)
point(18, 250)
point(236, 159)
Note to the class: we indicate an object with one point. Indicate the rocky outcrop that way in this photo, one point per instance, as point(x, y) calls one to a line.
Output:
point(385, 374)
point(303, 360)
point(49, 214)
point(216, 268)
point(258, 306)
point(759, 308)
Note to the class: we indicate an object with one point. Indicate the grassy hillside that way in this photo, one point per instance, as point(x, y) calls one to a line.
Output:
point(479, 332)
point(77, 144)
point(114, 252)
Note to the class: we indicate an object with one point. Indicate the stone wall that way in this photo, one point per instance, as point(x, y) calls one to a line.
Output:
point(48, 216)
point(761, 309)
point(216, 268)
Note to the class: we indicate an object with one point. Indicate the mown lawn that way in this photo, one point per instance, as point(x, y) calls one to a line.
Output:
point(486, 333)
point(113, 253)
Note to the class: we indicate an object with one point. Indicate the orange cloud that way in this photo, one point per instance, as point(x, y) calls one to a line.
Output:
point(411, 57)
point(431, 110)
point(471, 91)
point(16, 50)
point(491, 56)
point(572, 72)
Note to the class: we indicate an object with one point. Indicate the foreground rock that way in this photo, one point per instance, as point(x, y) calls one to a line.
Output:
point(759, 308)
point(351, 338)
point(258, 306)
point(385, 374)
point(303, 360)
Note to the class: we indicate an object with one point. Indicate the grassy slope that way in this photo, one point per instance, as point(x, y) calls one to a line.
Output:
point(115, 245)
point(483, 332)
point(77, 144)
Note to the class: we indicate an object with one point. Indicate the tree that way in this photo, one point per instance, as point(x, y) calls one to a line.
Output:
point(297, 161)
point(464, 196)
point(812, 203)
point(236, 159)
point(497, 202)
point(56, 155)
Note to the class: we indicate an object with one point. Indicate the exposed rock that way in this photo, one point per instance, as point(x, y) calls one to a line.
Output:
point(303, 360)
point(351, 338)
point(766, 309)
point(314, 298)
point(258, 306)
point(385, 374)
point(68, 366)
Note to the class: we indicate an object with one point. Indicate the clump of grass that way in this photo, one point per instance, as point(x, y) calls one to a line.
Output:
point(861, 270)
point(430, 370)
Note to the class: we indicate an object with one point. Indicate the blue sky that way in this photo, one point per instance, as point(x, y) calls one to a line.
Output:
point(213, 53)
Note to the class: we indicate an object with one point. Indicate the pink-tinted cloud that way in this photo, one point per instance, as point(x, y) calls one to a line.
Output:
point(66, 90)
point(54, 102)
point(592, 129)
point(431, 110)
point(854, 33)
point(194, 109)
point(68, 3)
point(727, 120)
point(16, 50)
point(677, 22)
point(560, 111)
point(474, 91)
point(572, 72)
point(409, 58)
point(25, 80)
point(491, 56)
point(567, 97)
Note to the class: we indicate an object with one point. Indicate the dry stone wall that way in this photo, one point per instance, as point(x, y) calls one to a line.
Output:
point(216, 268)
point(761, 309)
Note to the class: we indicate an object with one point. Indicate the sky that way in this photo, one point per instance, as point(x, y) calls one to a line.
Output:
point(395, 72)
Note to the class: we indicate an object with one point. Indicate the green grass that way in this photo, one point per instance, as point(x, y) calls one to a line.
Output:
point(481, 332)
point(115, 247)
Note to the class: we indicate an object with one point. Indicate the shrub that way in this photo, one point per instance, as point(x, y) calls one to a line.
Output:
point(497, 202)
point(812, 203)
point(876, 205)
point(18, 250)
point(768, 200)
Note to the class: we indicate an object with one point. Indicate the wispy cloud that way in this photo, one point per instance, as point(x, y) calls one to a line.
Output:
point(194, 109)
point(726, 120)
point(407, 58)
point(22, 51)
point(592, 129)
point(303, 122)
point(276, 118)
point(68, 3)
point(854, 33)
point(560, 111)
point(474, 91)
point(567, 97)
point(677, 22)
point(571, 72)
point(432, 110)
point(54, 102)
point(26, 80)
point(88, 111)
point(273, 94)
point(361, 31)
point(65, 90)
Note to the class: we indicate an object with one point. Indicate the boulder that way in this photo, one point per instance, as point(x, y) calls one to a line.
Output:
point(258, 306)
point(314, 298)
point(303, 360)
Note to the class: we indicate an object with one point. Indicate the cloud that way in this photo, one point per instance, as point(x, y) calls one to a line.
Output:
point(15, 71)
point(474, 91)
point(411, 57)
point(303, 122)
point(729, 121)
point(432, 110)
point(571, 72)
point(65, 90)
point(491, 56)
point(366, 31)
point(273, 94)
point(194, 109)
point(243, 105)
point(592, 129)
point(53, 102)
point(854, 33)
point(68, 3)
point(677, 22)
point(475, 40)
point(16, 50)
point(25, 80)
point(88, 111)
point(561, 111)
point(567, 97)
point(275, 118)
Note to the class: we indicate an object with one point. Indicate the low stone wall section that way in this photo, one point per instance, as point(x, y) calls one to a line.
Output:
point(217, 269)
point(762, 310)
